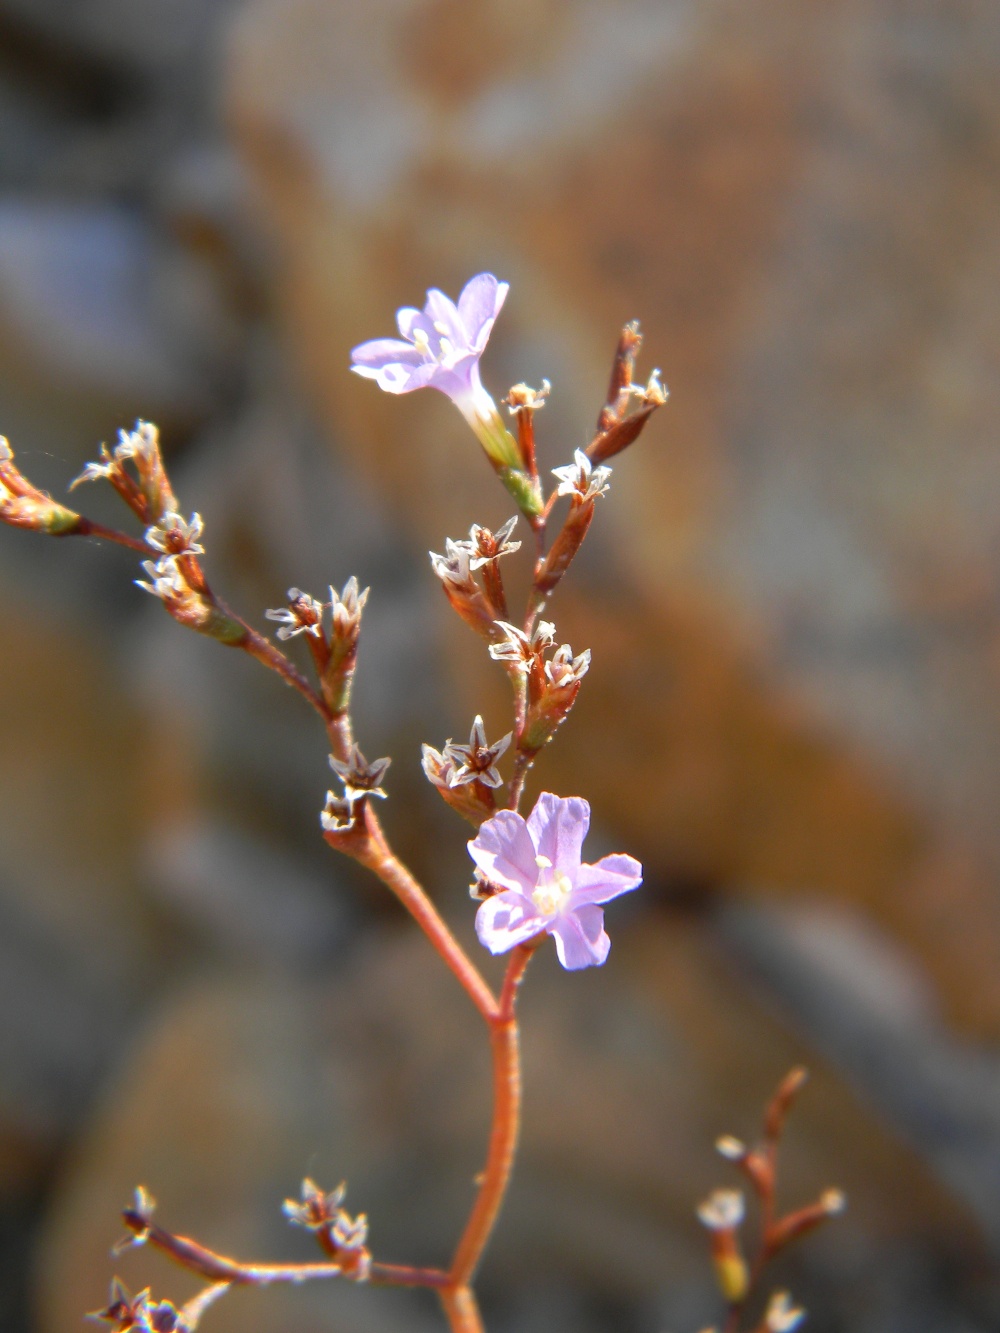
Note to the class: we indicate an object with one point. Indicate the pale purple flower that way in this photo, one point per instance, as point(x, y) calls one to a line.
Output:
point(440, 349)
point(542, 884)
point(443, 343)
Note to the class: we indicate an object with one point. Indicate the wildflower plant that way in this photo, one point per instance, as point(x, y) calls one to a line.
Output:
point(531, 881)
point(723, 1214)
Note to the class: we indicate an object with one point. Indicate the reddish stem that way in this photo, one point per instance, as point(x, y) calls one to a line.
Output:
point(86, 527)
point(522, 766)
point(461, 1309)
point(197, 1258)
point(504, 1040)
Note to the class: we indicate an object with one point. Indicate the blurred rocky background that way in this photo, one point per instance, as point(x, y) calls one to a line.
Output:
point(792, 595)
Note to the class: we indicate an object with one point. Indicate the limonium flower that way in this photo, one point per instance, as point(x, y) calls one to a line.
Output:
point(541, 885)
point(440, 348)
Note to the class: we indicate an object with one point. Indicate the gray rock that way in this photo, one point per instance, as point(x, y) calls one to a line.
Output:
point(95, 303)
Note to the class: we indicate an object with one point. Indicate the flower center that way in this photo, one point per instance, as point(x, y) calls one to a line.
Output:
point(551, 894)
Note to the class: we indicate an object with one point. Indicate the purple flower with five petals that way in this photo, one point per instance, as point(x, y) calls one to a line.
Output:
point(543, 887)
point(440, 349)
point(444, 342)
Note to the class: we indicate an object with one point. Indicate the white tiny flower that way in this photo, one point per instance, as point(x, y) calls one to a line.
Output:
point(722, 1210)
point(346, 607)
point(518, 649)
point(733, 1149)
point(581, 479)
point(350, 1234)
point(304, 615)
point(564, 668)
point(472, 761)
point(782, 1316)
point(141, 444)
point(95, 471)
point(521, 396)
point(360, 778)
point(174, 536)
point(654, 393)
point(454, 566)
point(338, 814)
point(436, 768)
point(484, 545)
point(167, 582)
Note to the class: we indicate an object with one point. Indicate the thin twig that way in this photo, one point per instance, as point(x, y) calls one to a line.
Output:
point(87, 527)
point(504, 1039)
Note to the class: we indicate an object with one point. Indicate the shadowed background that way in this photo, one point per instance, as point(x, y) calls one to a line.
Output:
point(791, 593)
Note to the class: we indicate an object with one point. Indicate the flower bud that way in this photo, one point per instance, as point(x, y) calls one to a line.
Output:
point(23, 505)
point(190, 603)
point(341, 1236)
point(583, 483)
point(781, 1316)
point(142, 447)
point(523, 403)
point(462, 590)
point(552, 692)
point(338, 670)
point(473, 800)
point(622, 370)
point(781, 1103)
point(722, 1213)
point(625, 431)
point(795, 1225)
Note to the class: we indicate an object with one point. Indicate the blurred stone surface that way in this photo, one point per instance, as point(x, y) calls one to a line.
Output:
point(239, 1087)
point(76, 943)
point(798, 203)
point(95, 303)
point(790, 593)
point(156, 37)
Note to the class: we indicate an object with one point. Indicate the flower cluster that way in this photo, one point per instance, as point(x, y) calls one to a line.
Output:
point(550, 685)
point(723, 1213)
point(141, 1312)
point(531, 881)
point(146, 489)
point(342, 1237)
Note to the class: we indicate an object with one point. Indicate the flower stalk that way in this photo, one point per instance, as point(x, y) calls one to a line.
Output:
point(531, 882)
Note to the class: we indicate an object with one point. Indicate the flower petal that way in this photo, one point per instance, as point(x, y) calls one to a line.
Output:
point(479, 304)
point(505, 920)
point(398, 377)
point(381, 352)
point(504, 852)
point(406, 319)
point(459, 381)
point(558, 826)
point(581, 940)
point(610, 876)
point(442, 311)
